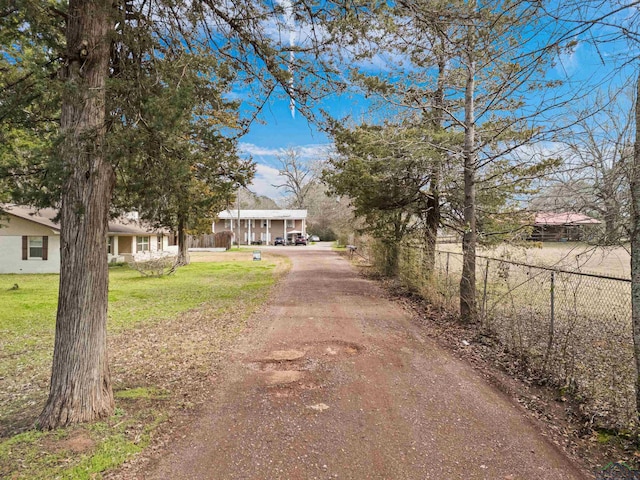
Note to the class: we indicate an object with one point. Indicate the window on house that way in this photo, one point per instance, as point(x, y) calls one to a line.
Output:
point(35, 247)
point(265, 223)
point(142, 244)
point(227, 224)
point(159, 243)
point(110, 245)
point(290, 223)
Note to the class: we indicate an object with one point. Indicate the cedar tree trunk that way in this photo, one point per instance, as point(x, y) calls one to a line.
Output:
point(183, 251)
point(80, 382)
point(432, 221)
point(468, 311)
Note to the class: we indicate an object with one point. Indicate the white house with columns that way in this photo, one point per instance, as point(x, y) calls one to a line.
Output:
point(262, 226)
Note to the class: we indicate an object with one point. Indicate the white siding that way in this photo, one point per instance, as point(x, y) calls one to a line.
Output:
point(11, 255)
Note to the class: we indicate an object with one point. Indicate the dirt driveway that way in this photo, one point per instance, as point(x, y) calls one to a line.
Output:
point(334, 381)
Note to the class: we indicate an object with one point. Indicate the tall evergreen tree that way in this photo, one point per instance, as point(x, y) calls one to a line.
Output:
point(80, 382)
point(387, 172)
point(90, 68)
point(471, 68)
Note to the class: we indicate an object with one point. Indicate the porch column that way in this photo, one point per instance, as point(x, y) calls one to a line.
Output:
point(268, 239)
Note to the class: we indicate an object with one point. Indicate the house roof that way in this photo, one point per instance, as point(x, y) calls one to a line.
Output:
point(43, 216)
point(564, 218)
point(263, 214)
point(46, 216)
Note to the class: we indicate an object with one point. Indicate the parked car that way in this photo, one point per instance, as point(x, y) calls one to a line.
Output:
point(301, 240)
point(279, 241)
point(314, 238)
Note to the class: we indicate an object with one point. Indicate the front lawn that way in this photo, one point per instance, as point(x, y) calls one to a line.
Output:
point(166, 336)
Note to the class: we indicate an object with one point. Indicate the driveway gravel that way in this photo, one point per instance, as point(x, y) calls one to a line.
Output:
point(333, 380)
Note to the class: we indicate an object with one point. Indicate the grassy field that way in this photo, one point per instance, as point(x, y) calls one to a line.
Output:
point(166, 337)
point(614, 261)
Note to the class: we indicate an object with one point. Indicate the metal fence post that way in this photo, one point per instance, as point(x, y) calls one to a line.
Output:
point(484, 293)
point(447, 283)
point(551, 320)
point(553, 298)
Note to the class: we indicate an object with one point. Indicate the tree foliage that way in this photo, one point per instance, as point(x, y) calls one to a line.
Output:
point(387, 173)
point(478, 71)
point(31, 53)
point(132, 95)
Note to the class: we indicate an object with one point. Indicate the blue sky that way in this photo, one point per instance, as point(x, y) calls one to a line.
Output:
point(279, 130)
point(581, 67)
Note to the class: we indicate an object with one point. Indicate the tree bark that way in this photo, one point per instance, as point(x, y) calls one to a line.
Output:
point(80, 382)
point(432, 220)
point(183, 251)
point(635, 245)
point(468, 308)
point(392, 255)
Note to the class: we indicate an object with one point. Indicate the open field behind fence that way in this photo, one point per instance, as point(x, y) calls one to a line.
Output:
point(571, 329)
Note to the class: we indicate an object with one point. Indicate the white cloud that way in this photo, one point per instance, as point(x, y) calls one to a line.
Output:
point(568, 62)
point(313, 151)
point(257, 151)
point(264, 181)
point(235, 95)
point(267, 173)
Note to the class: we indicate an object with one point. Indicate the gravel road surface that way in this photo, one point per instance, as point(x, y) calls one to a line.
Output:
point(335, 381)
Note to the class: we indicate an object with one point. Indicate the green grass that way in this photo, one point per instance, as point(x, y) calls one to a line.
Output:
point(133, 298)
point(31, 309)
point(47, 455)
point(27, 326)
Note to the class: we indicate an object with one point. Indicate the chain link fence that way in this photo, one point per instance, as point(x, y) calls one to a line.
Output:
point(570, 329)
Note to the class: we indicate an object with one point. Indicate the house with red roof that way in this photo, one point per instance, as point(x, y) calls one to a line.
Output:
point(563, 226)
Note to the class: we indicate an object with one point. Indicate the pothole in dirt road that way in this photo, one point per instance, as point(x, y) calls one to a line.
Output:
point(283, 377)
point(305, 358)
point(337, 348)
point(284, 355)
point(281, 360)
point(275, 366)
point(302, 367)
